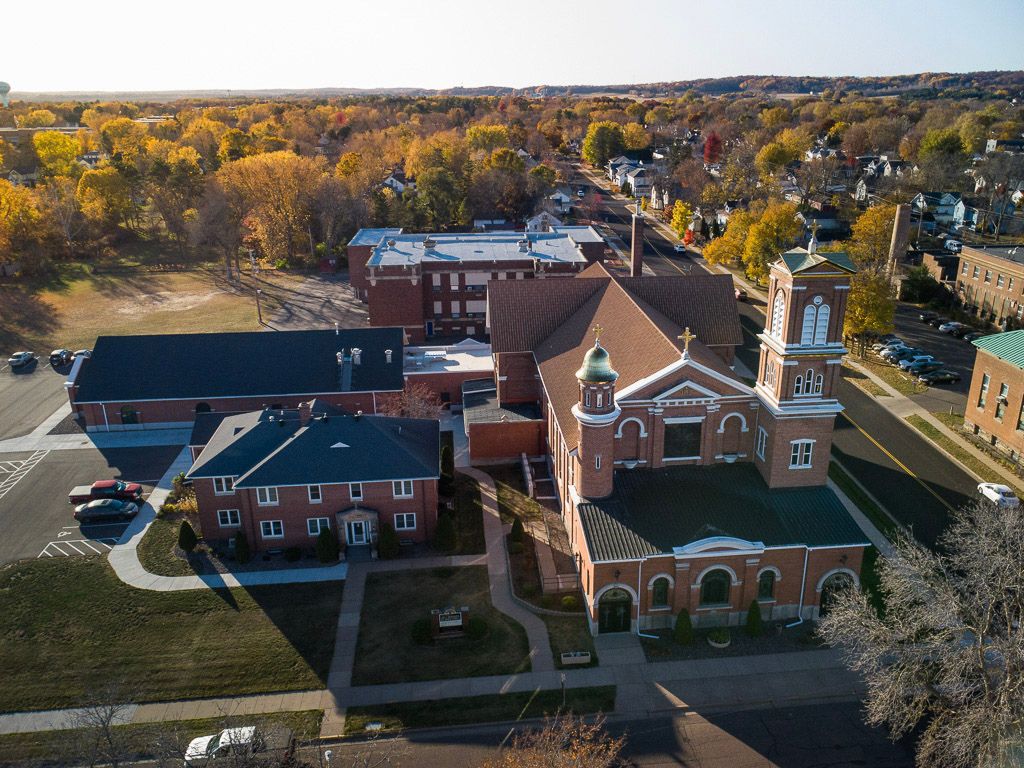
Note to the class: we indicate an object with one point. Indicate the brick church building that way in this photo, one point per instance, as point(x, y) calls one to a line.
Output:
point(681, 485)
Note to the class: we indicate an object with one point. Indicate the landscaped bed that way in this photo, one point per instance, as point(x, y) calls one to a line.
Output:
point(468, 517)
point(512, 499)
point(774, 640)
point(70, 627)
point(569, 633)
point(480, 709)
point(143, 741)
point(387, 651)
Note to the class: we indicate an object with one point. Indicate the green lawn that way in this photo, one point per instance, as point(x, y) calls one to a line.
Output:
point(156, 550)
point(69, 627)
point(386, 651)
point(481, 709)
point(144, 741)
point(569, 633)
point(964, 455)
point(512, 498)
point(861, 381)
point(468, 517)
point(902, 382)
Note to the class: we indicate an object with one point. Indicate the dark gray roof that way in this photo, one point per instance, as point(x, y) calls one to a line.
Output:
point(206, 424)
point(272, 448)
point(653, 511)
point(209, 365)
point(483, 407)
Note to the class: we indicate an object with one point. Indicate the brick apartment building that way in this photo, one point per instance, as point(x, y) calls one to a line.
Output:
point(995, 402)
point(164, 380)
point(682, 487)
point(436, 284)
point(282, 476)
point(990, 281)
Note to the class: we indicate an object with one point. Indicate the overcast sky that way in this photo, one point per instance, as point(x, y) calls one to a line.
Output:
point(193, 44)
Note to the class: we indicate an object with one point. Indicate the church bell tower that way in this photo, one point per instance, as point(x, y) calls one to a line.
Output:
point(596, 413)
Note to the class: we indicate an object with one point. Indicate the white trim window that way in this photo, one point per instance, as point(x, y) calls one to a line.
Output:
point(315, 493)
point(800, 454)
point(272, 529)
point(229, 518)
point(762, 442)
point(405, 521)
point(401, 489)
point(223, 486)
point(355, 491)
point(267, 496)
point(316, 524)
point(778, 314)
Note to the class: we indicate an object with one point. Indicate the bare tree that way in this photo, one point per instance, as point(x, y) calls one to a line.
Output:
point(947, 652)
point(564, 742)
point(416, 401)
point(96, 736)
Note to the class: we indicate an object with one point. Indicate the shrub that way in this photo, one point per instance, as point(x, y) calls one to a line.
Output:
point(172, 498)
point(388, 545)
point(242, 552)
point(683, 632)
point(529, 590)
point(293, 554)
point(187, 538)
point(476, 628)
point(570, 603)
point(515, 547)
point(548, 601)
point(444, 536)
point(326, 546)
point(719, 635)
point(422, 633)
point(178, 483)
point(167, 509)
point(755, 625)
point(517, 530)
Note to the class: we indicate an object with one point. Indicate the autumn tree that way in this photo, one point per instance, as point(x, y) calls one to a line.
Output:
point(57, 153)
point(712, 148)
point(218, 223)
point(775, 231)
point(22, 225)
point(728, 248)
point(38, 118)
point(59, 195)
point(437, 196)
point(682, 215)
point(416, 401)
point(635, 137)
point(487, 138)
point(564, 742)
point(604, 140)
point(175, 185)
point(871, 237)
point(946, 657)
point(104, 197)
point(871, 305)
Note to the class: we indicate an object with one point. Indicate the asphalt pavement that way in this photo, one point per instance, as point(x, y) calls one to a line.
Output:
point(28, 395)
point(955, 354)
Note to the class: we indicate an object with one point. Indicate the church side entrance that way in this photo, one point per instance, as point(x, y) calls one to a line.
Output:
point(614, 611)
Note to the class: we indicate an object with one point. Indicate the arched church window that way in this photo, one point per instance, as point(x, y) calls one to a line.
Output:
point(778, 314)
point(821, 324)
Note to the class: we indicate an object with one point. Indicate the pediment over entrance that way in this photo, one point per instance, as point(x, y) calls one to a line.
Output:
point(688, 380)
point(718, 544)
point(688, 390)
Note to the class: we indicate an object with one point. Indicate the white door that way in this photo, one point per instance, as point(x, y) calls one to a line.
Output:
point(357, 532)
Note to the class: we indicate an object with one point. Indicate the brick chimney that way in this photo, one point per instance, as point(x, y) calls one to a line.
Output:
point(900, 236)
point(636, 245)
point(305, 413)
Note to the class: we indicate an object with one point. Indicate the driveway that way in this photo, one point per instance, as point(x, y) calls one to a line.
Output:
point(35, 516)
point(319, 301)
point(28, 395)
point(957, 355)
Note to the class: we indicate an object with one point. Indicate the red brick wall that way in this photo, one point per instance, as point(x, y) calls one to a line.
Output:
point(775, 466)
point(398, 302)
point(517, 377)
point(984, 418)
point(294, 508)
point(358, 255)
point(489, 442)
point(183, 411)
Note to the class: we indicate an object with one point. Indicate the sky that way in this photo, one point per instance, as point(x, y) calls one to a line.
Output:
point(106, 45)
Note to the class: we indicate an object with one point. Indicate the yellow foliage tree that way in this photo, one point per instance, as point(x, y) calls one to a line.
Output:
point(39, 118)
point(871, 305)
point(682, 215)
point(728, 249)
point(487, 138)
point(870, 238)
point(104, 196)
point(57, 153)
point(774, 232)
point(635, 136)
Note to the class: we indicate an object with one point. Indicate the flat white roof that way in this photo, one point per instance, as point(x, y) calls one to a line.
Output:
point(465, 357)
point(558, 245)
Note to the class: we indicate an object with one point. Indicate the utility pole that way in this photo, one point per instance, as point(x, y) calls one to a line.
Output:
point(259, 309)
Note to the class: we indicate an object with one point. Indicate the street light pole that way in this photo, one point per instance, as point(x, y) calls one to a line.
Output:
point(259, 309)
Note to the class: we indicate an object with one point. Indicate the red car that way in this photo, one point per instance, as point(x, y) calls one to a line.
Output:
point(106, 489)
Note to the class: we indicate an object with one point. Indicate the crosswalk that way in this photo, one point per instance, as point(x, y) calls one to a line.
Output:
point(68, 548)
point(11, 472)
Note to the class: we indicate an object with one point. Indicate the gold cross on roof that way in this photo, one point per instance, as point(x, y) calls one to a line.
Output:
point(686, 337)
point(814, 228)
point(598, 330)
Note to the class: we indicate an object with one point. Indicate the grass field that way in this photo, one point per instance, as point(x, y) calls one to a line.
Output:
point(569, 633)
point(861, 381)
point(902, 382)
point(69, 627)
point(480, 709)
point(387, 653)
point(143, 741)
point(468, 517)
point(76, 305)
point(156, 550)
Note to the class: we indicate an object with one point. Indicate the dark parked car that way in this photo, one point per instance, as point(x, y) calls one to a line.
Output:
point(102, 510)
point(968, 337)
point(741, 295)
point(962, 331)
point(894, 356)
point(19, 359)
point(936, 321)
point(60, 357)
point(924, 366)
point(939, 377)
point(925, 317)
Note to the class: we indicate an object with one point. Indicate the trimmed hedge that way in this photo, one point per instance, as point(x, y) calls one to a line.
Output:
point(683, 631)
point(187, 538)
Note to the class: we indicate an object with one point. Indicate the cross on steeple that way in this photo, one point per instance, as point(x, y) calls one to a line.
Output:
point(686, 337)
point(597, 334)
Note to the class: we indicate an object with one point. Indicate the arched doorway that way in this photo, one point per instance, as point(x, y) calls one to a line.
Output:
point(203, 408)
point(614, 611)
point(832, 587)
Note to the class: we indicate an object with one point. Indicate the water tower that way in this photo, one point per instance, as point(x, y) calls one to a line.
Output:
point(5, 89)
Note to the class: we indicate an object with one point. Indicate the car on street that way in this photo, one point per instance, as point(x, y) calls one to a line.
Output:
point(86, 353)
point(105, 510)
point(939, 377)
point(899, 353)
point(969, 337)
point(953, 246)
point(242, 744)
point(581, 193)
point(936, 321)
point(881, 346)
point(741, 294)
point(924, 366)
point(950, 326)
point(962, 331)
point(60, 357)
point(906, 362)
point(679, 248)
point(924, 317)
point(106, 489)
point(998, 494)
point(19, 359)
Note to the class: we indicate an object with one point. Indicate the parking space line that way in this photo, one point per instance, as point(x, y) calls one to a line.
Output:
point(18, 474)
point(71, 544)
point(93, 547)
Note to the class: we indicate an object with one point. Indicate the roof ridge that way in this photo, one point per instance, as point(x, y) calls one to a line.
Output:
point(646, 309)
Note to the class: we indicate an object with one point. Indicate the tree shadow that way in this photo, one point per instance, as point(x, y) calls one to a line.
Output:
point(25, 319)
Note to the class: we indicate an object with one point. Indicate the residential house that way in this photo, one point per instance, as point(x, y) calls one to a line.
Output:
point(92, 159)
point(1013, 146)
point(560, 201)
point(947, 208)
point(281, 477)
point(639, 180)
point(397, 182)
point(542, 222)
point(24, 176)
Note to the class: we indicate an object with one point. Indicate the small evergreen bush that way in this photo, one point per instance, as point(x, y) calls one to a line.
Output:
point(388, 545)
point(242, 552)
point(444, 536)
point(518, 532)
point(683, 632)
point(755, 625)
point(719, 635)
point(327, 546)
point(187, 538)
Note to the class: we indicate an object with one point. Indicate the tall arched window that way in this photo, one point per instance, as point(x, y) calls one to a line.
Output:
point(778, 314)
point(819, 383)
point(714, 588)
point(809, 381)
point(821, 325)
point(766, 586)
point(807, 329)
point(659, 592)
point(798, 385)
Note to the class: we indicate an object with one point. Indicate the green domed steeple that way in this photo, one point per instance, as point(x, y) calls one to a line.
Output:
point(597, 366)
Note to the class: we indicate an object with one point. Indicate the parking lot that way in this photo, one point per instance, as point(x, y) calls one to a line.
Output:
point(35, 516)
point(28, 395)
point(955, 354)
